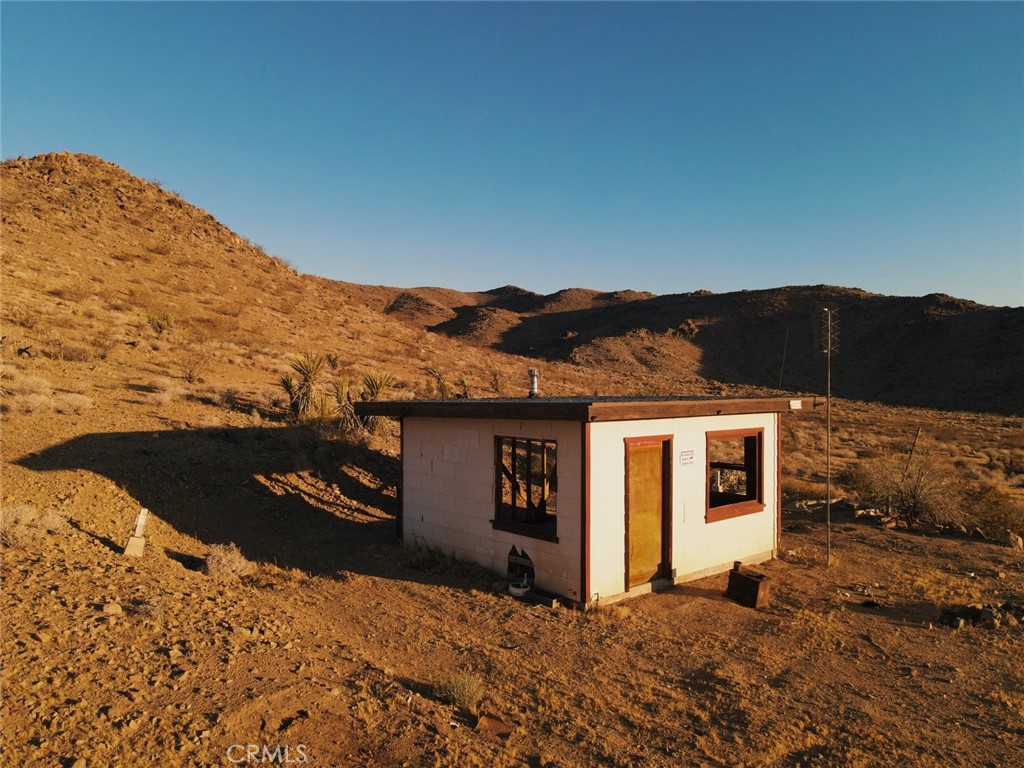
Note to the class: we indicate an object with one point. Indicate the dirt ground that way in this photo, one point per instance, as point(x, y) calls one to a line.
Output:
point(333, 647)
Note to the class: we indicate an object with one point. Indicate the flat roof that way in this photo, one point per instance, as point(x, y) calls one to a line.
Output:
point(585, 409)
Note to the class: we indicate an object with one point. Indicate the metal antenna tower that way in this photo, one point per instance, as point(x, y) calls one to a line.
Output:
point(828, 344)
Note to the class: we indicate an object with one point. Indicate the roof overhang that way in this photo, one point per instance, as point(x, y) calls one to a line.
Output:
point(585, 409)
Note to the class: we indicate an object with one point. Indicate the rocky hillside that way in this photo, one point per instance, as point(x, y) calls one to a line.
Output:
point(935, 350)
point(87, 246)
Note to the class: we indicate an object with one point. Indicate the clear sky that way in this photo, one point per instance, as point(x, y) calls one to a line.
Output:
point(666, 147)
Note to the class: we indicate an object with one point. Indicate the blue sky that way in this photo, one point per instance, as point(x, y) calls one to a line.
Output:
point(666, 147)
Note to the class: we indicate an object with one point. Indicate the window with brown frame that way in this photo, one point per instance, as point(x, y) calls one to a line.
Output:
point(735, 478)
point(526, 487)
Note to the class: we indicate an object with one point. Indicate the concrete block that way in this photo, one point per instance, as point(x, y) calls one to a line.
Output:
point(454, 453)
point(135, 546)
point(469, 438)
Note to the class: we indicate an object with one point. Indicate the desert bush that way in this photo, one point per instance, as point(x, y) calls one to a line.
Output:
point(164, 390)
point(195, 361)
point(149, 608)
point(463, 689)
point(916, 488)
point(795, 488)
point(22, 525)
point(104, 345)
point(26, 317)
point(32, 385)
point(73, 292)
point(425, 559)
point(993, 510)
point(226, 561)
point(75, 353)
point(71, 402)
point(161, 323)
point(33, 403)
point(229, 397)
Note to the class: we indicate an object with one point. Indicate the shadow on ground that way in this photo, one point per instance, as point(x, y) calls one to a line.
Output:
point(243, 485)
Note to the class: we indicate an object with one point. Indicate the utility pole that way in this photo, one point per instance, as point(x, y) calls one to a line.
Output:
point(829, 344)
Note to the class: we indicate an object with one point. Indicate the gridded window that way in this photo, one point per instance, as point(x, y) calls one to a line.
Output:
point(735, 473)
point(526, 484)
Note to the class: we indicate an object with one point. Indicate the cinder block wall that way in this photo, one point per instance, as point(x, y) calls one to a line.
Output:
point(448, 495)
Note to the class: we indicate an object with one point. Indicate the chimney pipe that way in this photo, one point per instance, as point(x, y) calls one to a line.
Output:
point(534, 374)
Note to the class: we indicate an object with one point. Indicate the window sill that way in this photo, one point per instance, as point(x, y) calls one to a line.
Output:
point(729, 511)
point(545, 532)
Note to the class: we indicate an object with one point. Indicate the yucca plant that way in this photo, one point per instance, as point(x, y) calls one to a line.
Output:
point(288, 384)
point(343, 403)
point(309, 368)
point(304, 390)
point(437, 374)
point(497, 385)
point(375, 386)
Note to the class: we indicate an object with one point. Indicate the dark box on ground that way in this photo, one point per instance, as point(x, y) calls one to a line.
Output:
point(748, 587)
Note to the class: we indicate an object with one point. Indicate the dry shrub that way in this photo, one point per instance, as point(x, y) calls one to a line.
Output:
point(105, 344)
point(614, 615)
point(73, 292)
point(426, 559)
point(916, 488)
point(74, 353)
point(164, 391)
point(161, 323)
point(993, 510)
point(150, 608)
point(71, 402)
point(33, 385)
point(463, 689)
point(33, 403)
point(795, 488)
point(226, 561)
point(26, 317)
point(195, 362)
point(229, 397)
point(23, 525)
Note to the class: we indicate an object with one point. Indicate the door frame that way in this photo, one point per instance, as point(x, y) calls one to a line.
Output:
point(666, 501)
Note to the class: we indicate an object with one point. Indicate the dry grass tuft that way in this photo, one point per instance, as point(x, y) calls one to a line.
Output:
point(22, 525)
point(32, 385)
point(226, 561)
point(463, 689)
point(33, 403)
point(795, 489)
point(70, 402)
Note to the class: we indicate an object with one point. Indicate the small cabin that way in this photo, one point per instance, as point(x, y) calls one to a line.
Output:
point(593, 499)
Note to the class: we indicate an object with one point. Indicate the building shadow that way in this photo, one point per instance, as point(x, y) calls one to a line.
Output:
point(241, 486)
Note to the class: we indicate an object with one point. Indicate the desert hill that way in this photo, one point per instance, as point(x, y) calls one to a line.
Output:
point(82, 234)
point(140, 365)
point(100, 263)
point(935, 350)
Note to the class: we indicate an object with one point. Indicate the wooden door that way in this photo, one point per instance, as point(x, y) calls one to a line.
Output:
point(646, 485)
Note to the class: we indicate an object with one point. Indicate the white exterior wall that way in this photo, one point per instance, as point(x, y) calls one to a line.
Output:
point(698, 548)
point(448, 495)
